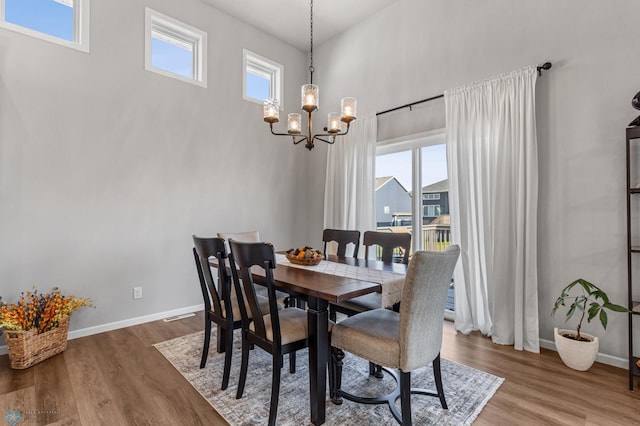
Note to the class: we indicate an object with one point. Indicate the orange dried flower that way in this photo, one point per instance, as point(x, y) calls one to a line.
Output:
point(40, 311)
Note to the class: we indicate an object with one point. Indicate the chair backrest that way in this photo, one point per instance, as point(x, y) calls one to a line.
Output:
point(343, 238)
point(203, 249)
point(388, 241)
point(422, 308)
point(245, 237)
point(246, 255)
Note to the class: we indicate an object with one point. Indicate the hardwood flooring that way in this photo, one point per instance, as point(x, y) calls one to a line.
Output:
point(119, 378)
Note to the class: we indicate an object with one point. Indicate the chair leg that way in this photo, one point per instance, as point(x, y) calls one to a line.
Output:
point(207, 340)
point(227, 357)
point(275, 390)
point(405, 397)
point(243, 367)
point(375, 370)
point(437, 375)
point(332, 313)
point(292, 362)
point(337, 355)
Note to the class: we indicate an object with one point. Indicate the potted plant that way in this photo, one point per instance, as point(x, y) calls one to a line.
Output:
point(35, 328)
point(578, 350)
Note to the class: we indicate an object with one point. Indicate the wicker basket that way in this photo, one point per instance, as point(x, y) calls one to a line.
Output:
point(307, 262)
point(27, 348)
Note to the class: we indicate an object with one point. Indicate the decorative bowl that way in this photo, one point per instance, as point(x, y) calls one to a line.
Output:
point(304, 256)
point(307, 262)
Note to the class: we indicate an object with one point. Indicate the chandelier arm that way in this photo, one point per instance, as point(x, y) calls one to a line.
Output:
point(333, 139)
point(302, 139)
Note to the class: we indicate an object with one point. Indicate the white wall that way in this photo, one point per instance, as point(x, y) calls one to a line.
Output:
point(415, 49)
point(106, 170)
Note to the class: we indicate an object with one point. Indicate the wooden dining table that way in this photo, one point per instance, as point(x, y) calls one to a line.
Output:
point(318, 290)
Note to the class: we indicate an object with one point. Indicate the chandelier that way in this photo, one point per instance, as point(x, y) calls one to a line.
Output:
point(310, 97)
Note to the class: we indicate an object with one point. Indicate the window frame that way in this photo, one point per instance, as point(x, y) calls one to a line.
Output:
point(427, 207)
point(81, 32)
point(431, 196)
point(266, 68)
point(176, 32)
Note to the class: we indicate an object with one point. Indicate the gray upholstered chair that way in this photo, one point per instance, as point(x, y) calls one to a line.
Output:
point(277, 332)
point(407, 340)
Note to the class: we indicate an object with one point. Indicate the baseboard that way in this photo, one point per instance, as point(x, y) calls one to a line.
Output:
point(603, 358)
point(74, 334)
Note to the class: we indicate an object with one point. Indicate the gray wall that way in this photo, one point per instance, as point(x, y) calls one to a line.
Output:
point(106, 170)
point(416, 49)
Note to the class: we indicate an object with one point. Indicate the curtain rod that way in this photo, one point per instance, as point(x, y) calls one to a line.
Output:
point(546, 66)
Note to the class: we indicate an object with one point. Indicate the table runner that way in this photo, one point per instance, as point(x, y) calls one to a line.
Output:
point(391, 282)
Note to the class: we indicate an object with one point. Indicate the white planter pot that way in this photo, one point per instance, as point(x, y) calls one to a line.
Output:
point(577, 355)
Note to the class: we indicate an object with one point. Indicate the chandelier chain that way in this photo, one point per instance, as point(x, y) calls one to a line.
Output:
point(311, 69)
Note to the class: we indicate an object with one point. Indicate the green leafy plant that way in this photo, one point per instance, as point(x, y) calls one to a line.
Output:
point(590, 300)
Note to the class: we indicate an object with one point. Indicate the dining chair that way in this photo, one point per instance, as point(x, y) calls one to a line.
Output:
point(343, 238)
point(388, 242)
point(405, 340)
point(220, 302)
point(254, 237)
point(277, 332)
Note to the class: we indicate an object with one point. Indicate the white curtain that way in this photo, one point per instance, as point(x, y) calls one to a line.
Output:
point(349, 188)
point(493, 193)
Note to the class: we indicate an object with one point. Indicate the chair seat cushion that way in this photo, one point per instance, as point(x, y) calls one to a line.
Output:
point(293, 325)
point(372, 335)
point(368, 302)
point(237, 315)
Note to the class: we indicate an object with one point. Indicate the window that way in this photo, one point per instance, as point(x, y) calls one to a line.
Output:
point(262, 78)
point(175, 49)
point(64, 22)
point(432, 210)
point(427, 197)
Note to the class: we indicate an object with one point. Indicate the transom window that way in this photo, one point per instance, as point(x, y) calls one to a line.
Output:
point(262, 78)
point(64, 22)
point(175, 49)
point(427, 197)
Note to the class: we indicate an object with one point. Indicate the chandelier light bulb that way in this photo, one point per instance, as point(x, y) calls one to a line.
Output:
point(310, 96)
point(294, 121)
point(271, 111)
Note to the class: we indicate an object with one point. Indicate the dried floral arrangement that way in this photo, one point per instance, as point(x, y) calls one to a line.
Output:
point(41, 311)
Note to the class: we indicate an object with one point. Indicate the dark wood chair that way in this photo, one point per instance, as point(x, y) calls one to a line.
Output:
point(343, 238)
point(407, 340)
point(219, 301)
point(388, 242)
point(276, 332)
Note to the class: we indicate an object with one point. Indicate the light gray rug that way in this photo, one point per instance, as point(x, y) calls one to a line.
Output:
point(467, 390)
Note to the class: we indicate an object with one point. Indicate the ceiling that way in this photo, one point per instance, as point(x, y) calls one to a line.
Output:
point(288, 20)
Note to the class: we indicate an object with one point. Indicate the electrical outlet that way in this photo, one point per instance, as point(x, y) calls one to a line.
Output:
point(137, 292)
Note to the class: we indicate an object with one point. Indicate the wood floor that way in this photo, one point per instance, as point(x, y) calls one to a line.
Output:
point(118, 378)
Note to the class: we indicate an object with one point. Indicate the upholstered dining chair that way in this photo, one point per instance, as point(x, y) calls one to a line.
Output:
point(343, 237)
point(407, 340)
point(388, 242)
point(276, 332)
point(220, 302)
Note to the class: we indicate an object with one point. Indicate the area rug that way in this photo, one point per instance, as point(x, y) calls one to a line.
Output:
point(467, 390)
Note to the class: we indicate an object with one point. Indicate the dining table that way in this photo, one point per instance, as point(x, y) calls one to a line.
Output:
point(318, 289)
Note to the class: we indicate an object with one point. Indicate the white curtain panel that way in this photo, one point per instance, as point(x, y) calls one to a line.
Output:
point(492, 159)
point(349, 188)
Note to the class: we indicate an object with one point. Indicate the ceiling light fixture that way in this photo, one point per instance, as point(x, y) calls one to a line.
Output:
point(310, 97)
